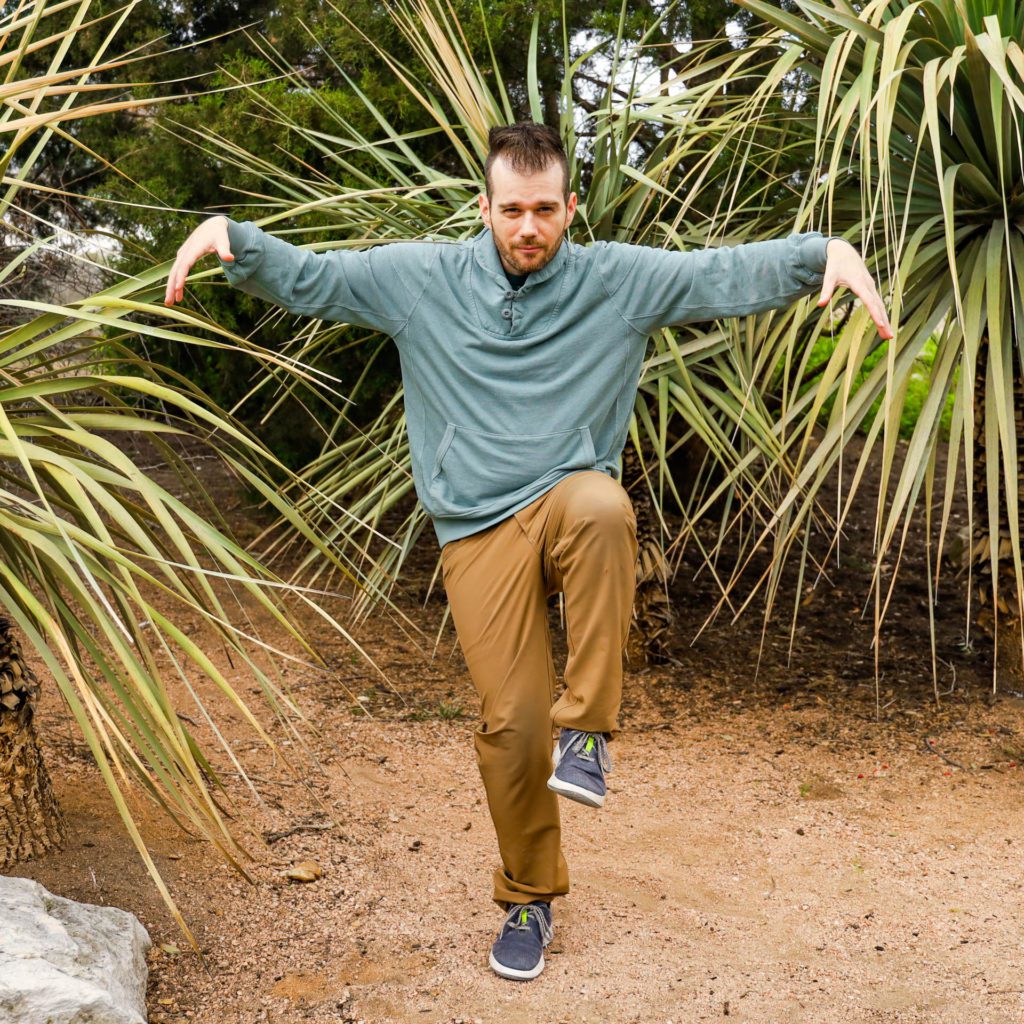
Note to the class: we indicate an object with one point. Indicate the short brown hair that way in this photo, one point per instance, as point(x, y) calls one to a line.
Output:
point(529, 148)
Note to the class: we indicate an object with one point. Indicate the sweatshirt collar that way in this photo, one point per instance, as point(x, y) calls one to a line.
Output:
point(486, 253)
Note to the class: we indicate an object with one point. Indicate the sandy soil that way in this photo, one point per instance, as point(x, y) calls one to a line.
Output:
point(787, 847)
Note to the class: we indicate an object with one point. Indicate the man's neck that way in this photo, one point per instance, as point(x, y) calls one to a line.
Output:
point(515, 280)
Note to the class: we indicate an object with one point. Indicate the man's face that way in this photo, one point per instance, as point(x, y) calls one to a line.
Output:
point(527, 215)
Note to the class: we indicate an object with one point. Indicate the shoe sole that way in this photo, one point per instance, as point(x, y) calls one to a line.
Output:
point(512, 974)
point(569, 790)
point(577, 793)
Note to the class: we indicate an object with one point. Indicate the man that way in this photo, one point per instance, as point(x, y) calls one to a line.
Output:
point(521, 355)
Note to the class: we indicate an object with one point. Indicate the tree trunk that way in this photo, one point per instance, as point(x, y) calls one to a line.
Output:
point(999, 611)
point(651, 608)
point(30, 819)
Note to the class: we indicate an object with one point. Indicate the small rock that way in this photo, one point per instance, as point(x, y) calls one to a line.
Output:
point(304, 871)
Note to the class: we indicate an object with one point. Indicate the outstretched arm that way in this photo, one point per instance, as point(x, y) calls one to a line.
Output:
point(654, 287)
point(376, 287)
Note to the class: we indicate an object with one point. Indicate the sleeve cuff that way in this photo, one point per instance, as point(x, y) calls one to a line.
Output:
point(244, 240)
point(812, 252)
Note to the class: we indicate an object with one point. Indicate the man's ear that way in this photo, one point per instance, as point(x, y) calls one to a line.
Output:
point(485, 208)
point(570, 208)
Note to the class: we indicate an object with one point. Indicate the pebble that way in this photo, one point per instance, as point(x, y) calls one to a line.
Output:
point(304, 871)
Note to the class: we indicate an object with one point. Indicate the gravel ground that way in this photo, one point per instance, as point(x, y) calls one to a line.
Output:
point(795, 844)
point(848, 874)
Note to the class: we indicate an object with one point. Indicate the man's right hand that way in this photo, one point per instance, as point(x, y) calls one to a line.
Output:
point(210, 236)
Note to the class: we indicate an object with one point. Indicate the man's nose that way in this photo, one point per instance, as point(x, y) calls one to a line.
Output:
point(528, 224)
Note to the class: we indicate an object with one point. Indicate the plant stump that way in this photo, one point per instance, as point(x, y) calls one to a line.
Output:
point(30, 818)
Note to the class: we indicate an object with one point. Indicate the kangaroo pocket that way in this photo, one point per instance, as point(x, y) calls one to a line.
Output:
point(476, 472)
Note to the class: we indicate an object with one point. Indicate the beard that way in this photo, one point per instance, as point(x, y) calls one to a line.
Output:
point(526, 263)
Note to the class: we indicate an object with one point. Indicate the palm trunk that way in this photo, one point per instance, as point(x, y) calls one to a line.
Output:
point(652, 608)
point(30, 819)
point(999, 612)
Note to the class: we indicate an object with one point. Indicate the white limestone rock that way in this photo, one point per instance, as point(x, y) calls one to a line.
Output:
point(63, 962)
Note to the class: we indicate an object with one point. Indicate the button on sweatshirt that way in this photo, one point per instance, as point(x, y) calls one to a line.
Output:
point(508, 391)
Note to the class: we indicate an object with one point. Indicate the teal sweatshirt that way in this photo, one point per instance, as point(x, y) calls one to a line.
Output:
point(508, 391)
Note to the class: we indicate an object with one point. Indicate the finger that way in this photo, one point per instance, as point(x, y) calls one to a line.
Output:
point(172, 287)
point(881, 321)
point(828, 286)
point(177, 282)
point(173, 291)
point(183, 267)
point(878, 314)
point(868, 294)
point(874, 304)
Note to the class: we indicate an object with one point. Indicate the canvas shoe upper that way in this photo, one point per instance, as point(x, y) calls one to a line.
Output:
point(518, 951)
point(581, 760)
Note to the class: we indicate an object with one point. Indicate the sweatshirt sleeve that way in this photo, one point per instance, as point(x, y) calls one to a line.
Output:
point(376, 287)
point(653, 287)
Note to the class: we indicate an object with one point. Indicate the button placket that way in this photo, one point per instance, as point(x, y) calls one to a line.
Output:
point(508, 313)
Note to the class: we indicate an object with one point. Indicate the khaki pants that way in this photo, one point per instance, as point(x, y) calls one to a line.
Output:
point(580, 538)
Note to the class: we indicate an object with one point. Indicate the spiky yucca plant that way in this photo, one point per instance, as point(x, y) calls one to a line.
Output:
point(914, 121)
point(105, 572)
point(906, 118)
point(652, 607)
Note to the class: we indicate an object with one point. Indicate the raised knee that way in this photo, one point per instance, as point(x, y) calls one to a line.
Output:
point(608, 512)
point(602, 503)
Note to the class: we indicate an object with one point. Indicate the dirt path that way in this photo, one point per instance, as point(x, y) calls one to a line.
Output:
point(734, 872)
point(778, 849)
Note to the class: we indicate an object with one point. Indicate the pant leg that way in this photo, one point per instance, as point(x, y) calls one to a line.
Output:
point(585, 531)
point(496, 592)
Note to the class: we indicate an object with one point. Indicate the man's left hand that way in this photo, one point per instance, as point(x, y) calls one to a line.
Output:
point(844, 267)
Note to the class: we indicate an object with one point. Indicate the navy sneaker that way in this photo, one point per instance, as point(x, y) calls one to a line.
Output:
point(581, 760)
point(518, 951)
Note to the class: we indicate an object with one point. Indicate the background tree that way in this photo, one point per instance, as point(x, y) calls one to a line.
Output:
point(30, 817)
